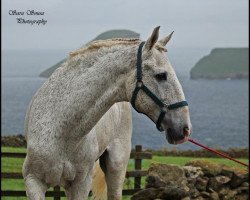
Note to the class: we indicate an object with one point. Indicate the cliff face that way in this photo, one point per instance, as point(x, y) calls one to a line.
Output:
point(103, 36)
point(223, 63)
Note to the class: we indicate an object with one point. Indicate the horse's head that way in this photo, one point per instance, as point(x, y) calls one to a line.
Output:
point(159, 77)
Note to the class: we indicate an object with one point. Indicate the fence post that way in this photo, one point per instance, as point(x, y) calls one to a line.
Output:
point(137, 183)
point(57, 188)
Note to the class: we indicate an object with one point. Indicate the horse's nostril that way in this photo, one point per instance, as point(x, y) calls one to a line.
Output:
point(186, 131)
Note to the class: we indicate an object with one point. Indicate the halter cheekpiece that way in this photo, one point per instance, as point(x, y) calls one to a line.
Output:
point(140, 86)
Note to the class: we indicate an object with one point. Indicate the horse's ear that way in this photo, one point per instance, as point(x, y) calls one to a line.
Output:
point(166, 39)
point(152, 39)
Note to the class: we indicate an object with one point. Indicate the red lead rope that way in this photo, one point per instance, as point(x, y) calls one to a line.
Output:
point(217, 152)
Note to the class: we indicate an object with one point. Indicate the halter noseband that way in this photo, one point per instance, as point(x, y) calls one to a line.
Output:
point(141, 86)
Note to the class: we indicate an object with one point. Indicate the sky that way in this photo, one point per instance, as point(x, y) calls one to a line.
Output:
point(70, 24)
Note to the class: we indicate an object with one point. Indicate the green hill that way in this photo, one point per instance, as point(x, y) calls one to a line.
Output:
point(120, 33)
point(46, 73)
point(223, 63)
point(103, 36)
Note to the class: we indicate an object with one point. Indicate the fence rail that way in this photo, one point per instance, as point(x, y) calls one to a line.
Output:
point(138, 155)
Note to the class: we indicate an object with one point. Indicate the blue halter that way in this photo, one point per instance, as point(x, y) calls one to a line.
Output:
point(141, 86)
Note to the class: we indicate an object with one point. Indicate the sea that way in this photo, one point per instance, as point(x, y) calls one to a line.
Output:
point(218, 108)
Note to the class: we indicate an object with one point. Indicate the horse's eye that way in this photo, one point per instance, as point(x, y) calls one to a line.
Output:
point(161, 76)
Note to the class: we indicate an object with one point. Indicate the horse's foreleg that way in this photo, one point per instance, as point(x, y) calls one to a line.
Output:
point(115, 161)
point(79, 188)
point(115, 179)
point(35, 189)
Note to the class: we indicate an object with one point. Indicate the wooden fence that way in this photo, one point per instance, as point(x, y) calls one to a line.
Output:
point(138, 155)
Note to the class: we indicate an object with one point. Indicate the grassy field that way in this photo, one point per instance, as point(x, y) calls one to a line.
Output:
point(15, 165)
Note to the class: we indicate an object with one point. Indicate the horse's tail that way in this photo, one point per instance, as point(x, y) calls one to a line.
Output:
point(99, 186)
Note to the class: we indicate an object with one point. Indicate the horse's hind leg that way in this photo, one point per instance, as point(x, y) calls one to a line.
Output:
point(35, 189)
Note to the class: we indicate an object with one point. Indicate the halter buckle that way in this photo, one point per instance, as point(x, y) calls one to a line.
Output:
point(139, 83)
point(166, 105)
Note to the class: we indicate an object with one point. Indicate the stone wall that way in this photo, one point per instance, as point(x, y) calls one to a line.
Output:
point(198, 180)
point(14, 141)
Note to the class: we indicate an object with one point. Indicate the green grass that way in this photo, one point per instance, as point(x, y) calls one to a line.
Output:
point(13, 149)
point(15, 165)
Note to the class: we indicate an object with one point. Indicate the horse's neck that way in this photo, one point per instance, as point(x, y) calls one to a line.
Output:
point(102, 85)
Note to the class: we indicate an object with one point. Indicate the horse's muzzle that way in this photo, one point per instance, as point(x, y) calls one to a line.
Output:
point(177, 138)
